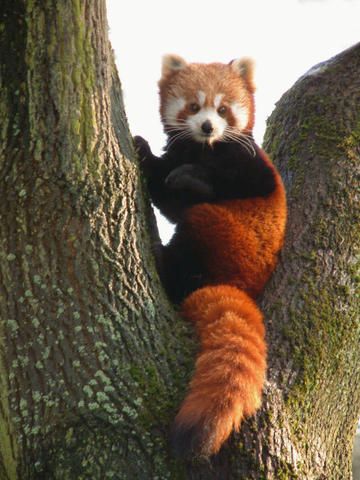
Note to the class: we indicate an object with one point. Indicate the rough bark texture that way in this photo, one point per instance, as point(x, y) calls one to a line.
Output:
point(86, 375)
point(93, 359)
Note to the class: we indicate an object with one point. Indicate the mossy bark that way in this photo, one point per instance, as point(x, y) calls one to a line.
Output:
point(90, 348)
point(93, 359)
point(314, 334)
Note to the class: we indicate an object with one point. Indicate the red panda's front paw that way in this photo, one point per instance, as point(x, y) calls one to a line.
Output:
point(190, 178)
point(142, 148)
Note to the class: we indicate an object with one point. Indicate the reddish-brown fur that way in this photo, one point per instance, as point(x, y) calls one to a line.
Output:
point(230, 368)
point(238, 241)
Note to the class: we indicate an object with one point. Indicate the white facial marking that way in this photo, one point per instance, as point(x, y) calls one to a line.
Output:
point(217, 100)
point(218, 123)
point(241, 114)
point(172, 109)
point(201, 97)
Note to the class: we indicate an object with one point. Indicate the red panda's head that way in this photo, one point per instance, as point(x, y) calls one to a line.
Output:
point(207, 102)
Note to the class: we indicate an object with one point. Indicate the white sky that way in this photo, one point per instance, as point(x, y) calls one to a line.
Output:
point(285, 37)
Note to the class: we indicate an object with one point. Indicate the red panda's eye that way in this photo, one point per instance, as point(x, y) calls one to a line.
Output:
point(222, 110)
point(194, 107)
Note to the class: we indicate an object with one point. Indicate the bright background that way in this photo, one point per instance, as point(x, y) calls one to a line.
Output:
point(285, 37)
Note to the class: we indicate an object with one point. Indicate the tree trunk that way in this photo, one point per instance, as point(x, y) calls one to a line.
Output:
point(94, 361)
point(90, 347)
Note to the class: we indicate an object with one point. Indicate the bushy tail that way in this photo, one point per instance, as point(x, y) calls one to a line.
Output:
point(229, 371)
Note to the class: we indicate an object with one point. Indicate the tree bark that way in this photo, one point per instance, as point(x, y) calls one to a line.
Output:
point(90, 347)
point(94, 361)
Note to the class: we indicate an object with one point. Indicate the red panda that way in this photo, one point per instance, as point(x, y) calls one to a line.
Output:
point(229, 204)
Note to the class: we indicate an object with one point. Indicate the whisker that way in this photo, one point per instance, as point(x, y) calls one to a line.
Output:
point(175, 127)
point(172, 141)
point(248, 148)
point(239, 133)
point(235, 132)
point(242, 139)
point(237, 140)
point(175, 130)
point(180, 135)
point(176, 123)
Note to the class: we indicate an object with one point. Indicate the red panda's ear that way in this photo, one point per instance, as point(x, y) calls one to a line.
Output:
point(245, 68)
point(172, 63)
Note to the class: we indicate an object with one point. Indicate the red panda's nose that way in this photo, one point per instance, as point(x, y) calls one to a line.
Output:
point(207, 127)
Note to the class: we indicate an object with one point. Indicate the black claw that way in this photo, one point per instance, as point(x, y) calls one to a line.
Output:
point(142, 147)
